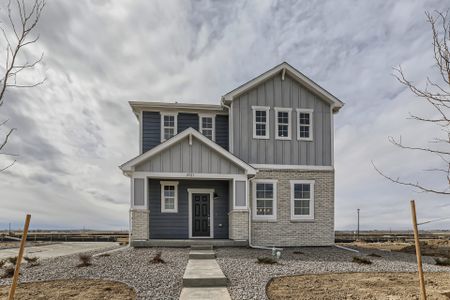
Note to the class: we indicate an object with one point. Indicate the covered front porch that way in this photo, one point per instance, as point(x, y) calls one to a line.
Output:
point(188, 190)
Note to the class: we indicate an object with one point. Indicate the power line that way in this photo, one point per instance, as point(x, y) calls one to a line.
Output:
point(435, 220)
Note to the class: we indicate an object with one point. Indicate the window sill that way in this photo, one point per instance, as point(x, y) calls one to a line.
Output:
point(302, 220)
point(304, 140)
point(169, 212)
point(260, 138)
point(283, 138)
point(264, 220)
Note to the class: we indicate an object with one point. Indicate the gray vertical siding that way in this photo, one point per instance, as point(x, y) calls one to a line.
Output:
point(281, 93)
point(186, 120)
point(222, 130)
point(175, 225)
point(151, 130)
point(185, 158)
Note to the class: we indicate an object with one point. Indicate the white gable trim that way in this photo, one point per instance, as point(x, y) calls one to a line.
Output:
point(301, 78)
point(129, 166)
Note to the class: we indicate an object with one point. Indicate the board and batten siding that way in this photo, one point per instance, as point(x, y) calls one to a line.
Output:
point(175, 225)
point(287, 93)
point(185, 158)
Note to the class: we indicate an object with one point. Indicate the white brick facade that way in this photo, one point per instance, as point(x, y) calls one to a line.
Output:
point(238, 225)
point(140, 224)
point(283, 231)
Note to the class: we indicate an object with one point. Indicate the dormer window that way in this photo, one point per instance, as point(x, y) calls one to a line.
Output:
point(260, 122)
point(283, 123)
point(207, 126)
point(304, 124)
point(168, 125)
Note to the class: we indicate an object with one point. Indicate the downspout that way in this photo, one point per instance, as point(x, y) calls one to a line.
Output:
point(230, 122)
point(249, 210)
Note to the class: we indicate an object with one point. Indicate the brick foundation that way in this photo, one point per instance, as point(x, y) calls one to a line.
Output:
point(140, 224)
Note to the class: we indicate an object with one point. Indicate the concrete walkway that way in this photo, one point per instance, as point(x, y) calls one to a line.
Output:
point(59, 249)
point(203, 279)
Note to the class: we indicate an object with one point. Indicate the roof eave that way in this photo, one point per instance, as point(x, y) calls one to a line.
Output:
point(285, 67)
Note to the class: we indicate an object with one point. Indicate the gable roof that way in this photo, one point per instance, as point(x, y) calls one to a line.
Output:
point(284, 68)
point(129, 165)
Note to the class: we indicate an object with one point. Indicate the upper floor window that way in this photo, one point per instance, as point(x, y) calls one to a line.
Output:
point(169, 196)
point(207, 126)
point(264, 199)
point(260, 122)
point(302, 199)
point(283, 123)
point(305, 124)
point(168, 126)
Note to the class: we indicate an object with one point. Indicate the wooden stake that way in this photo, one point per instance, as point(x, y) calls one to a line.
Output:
point(418, 254)
point(19, 258)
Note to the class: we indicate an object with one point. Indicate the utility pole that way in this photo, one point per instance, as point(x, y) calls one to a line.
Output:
point(357, 230)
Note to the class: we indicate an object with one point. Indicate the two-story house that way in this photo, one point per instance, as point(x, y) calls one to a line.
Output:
point(256, 169)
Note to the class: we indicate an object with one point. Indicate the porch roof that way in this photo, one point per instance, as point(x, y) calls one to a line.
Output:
point(188, 152)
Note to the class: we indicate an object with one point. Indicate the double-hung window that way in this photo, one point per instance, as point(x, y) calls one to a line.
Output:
point(265, 199)
point(207, 126)
point(283, 123)
point(260, 122)
point(168, 126)
point(169, 196)
point(302, 199)
point(305, 124)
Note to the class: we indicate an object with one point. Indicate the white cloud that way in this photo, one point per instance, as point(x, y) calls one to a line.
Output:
point(77, 128)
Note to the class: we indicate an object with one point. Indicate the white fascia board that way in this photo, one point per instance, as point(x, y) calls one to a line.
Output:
point(336, 103)
point(128, 166)
point(293, 167)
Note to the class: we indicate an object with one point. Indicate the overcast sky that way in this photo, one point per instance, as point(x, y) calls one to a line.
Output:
point(74, 130)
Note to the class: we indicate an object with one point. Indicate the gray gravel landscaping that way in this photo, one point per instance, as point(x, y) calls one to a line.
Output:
point(248, 279)
point(131, 266)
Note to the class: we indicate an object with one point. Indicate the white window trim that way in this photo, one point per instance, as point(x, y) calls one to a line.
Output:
point(259, 108)
point(311, 119)
point(272, 217)
point(169, 183)
point(200, 125)
point(289, 111)
point(211, 211)
point(309, 217)
point(175, 115)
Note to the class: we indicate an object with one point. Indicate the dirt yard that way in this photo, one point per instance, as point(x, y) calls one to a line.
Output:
point(75, 289)
point(375, 286)
point(439, 248)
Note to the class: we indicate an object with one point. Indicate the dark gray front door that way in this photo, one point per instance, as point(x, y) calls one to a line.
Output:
point(200, 215)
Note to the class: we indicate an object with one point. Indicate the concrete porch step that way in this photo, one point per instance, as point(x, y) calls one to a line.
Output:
point(202, 254)
point(216, 293)
point(204, 273)
point(201, 247)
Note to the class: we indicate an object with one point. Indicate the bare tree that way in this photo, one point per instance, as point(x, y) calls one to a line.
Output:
point(436, 93)
point(17, 35)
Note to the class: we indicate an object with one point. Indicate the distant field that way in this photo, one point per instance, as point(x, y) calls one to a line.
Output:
point(65, 236)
